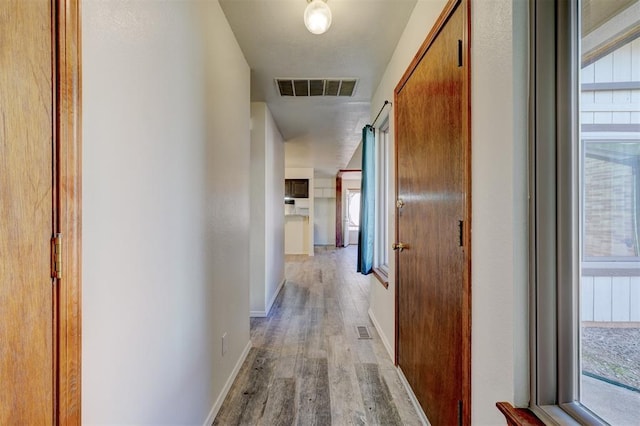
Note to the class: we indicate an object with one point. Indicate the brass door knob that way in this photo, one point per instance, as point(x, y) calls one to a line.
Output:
point(399, 246)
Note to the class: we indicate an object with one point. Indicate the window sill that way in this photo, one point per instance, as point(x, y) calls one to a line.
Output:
point(518, 416)
point(381, 276)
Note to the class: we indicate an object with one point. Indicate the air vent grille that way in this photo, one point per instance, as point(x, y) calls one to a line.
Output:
point(285, 87)
point(316, 87)
point(347, 87)
point(332, 87)
point(301, 87)
point(363, 332)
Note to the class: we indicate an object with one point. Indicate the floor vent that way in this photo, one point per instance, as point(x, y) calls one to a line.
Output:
point(316, 87)
point(363, 332)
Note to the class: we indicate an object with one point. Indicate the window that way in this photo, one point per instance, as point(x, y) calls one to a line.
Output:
point(381, 261)
point(585, 210)
point(353, 207)
point(610, 198)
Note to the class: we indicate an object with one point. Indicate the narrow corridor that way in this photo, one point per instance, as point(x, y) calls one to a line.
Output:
point(308, 365)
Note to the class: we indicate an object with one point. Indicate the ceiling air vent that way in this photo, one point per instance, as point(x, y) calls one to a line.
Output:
point(316, 87)
point(332, 87)
point(347, 87)
point(285, 87)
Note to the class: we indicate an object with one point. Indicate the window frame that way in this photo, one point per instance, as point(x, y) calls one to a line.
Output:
point(383, 165)
point(555, 254)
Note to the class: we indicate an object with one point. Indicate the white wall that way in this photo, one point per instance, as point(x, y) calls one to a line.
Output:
point(324, 225)
point(299, 238)
point(257, 243)
point(499, 167)
point(520, 202)
point(499, 182)
point(267, 210)
point(275, 211)
point(165, 210)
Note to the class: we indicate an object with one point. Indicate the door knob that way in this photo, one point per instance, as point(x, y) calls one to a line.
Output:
point(399, 203)
point(399, 246)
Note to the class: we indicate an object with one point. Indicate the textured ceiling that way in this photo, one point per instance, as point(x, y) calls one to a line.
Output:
point(319, 132)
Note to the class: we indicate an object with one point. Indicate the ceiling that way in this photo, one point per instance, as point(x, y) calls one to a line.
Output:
point(321, 131)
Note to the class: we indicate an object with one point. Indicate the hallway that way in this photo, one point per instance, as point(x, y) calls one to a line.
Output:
point(307, 365)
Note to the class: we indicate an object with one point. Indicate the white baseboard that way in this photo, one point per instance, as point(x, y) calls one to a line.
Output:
point(225, 390)
point(412, 397)
point(383, 337)
point(265, 313)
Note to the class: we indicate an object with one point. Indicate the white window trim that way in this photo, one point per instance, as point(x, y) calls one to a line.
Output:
point(382, 159)
point(554, 227)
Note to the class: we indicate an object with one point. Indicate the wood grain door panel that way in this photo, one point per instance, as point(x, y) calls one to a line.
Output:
point(432, 273)
point(26, 213)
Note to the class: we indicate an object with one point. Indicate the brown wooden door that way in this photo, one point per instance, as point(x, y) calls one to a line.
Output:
point(26, 213)
point(432, 272)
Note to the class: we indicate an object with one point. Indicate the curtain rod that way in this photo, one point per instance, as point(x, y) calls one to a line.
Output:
point(380, 112)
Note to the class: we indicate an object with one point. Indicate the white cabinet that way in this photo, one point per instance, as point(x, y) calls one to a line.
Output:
point(325, 188)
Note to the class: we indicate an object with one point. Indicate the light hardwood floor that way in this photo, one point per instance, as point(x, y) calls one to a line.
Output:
point(307, 365)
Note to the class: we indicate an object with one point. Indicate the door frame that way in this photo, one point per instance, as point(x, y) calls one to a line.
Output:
point(442, 20)
point(67, 207)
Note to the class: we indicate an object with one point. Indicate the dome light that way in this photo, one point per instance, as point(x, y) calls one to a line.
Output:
point(317, 17)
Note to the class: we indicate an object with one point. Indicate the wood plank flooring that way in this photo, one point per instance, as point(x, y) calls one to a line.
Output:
point(307, 365)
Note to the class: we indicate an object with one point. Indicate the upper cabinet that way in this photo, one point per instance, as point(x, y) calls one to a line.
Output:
point(296, 188)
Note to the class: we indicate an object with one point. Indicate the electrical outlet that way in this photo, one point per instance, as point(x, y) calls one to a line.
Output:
point(224, 344)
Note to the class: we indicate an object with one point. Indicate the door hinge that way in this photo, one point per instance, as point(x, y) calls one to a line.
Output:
point(56, 256)
point(461, 233)
point(459, 413)
point(459, 53)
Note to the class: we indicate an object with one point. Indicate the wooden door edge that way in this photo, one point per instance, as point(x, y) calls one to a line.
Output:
point(396, 275)
point(448, 10)
point(68, 206)
point(467, 291)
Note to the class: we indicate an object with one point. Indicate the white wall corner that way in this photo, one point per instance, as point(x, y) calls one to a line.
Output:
point(275, 296)
point(496, 223)
point(227, 386)
point(383, 336)
point(265, 313)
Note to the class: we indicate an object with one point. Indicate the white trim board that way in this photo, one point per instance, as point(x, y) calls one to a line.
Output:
point(227, 386)
point(265, 313)
point(383, 336)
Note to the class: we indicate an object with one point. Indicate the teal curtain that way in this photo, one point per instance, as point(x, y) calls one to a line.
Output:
point(367, 202)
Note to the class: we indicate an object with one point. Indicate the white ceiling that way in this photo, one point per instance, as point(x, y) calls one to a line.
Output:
point(319, 132)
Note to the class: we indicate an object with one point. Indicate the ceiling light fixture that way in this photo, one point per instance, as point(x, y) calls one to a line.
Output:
point(317, 16)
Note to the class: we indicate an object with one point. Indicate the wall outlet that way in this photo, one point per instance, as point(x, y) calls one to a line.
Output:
point(224, 344)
